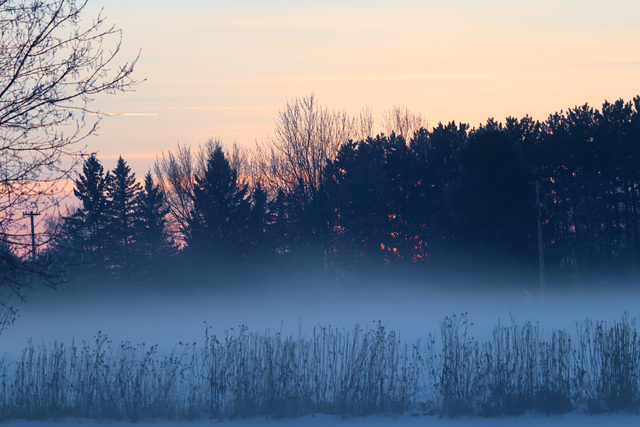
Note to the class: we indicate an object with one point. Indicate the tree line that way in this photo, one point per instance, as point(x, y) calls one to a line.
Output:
point(119, 225)
point(442, 201)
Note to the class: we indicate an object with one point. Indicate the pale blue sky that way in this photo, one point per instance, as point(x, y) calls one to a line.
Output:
point(225, 68)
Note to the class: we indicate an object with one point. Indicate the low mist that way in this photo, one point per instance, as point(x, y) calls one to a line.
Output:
point(165, 314)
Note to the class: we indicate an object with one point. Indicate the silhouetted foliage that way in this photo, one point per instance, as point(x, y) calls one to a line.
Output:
point(369, 178)
point(221, 210)
point(153, 240)
point(496, 221)
point(449, 201)
point(87, 227)
point(434, 167)
point(369, 370)
point(259, 225)
point(588, 162)
point(12, 279)
point(123, 212)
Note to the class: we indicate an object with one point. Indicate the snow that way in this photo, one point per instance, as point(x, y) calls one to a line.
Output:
point(327, 420)
point(181, 314)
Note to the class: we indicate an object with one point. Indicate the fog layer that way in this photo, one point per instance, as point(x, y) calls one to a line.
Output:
point(180, 312)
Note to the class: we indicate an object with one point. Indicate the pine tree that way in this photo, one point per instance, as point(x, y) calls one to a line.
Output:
point(220, 211)
point(259, 222)
point(12, 275)
point(279, 233)
point(122, 195)
point(152, 210)
point(87, 226)
point(491, 198)
point(12, 281)
point(369, 180)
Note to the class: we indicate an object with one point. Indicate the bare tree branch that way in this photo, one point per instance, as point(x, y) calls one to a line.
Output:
point(307, 135)
point(53, 61)
point(402, 121)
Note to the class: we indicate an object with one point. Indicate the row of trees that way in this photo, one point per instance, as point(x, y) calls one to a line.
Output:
point(447, 199)
point(120, 224)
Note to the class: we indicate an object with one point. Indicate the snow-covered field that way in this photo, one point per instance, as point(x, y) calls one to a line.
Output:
point(181, 314)
point(570, 420)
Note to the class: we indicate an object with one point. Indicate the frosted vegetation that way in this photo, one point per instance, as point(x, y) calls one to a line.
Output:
point(514, 368)
point(343, 372)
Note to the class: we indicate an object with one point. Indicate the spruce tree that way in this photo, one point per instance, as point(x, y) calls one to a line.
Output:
point(122, 195)
point(153, 240)
point(259, 222)
point(87, 226)
point(220, 211)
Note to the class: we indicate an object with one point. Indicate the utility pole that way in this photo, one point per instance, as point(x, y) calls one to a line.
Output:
point(540, 241)
point(33, 233)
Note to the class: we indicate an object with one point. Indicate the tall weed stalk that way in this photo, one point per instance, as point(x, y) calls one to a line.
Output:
point(361, 371)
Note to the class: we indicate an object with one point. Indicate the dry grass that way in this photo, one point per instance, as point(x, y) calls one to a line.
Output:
point(360, 371)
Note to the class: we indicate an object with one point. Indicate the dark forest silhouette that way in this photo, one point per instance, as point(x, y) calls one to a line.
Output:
point(452, 201)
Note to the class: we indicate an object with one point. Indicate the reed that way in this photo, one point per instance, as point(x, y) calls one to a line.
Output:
point(361, 371)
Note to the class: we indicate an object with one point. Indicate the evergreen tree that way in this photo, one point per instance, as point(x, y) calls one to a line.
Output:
point(221, 208)
point(369, 184)
point(153, 240)
point(260, 218)
point(434, 168)
point(12, 281)
point(279, 234)
point(492, 203)
point(87, 226)
point(12, 277)
point(122, 213)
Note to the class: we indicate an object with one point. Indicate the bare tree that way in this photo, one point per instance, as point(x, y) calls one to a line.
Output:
point(53, 61)
point(363, 124)
point(176, 173)
point(240, 159)
point(402, 121)
point(176, 177)
point(307, 135)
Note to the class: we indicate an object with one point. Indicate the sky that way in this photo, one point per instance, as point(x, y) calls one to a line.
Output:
point(223, 69)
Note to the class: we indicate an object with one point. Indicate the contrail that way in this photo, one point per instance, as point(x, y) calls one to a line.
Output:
point(124, 114)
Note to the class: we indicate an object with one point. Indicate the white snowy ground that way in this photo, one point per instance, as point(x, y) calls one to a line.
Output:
point(570, 420)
